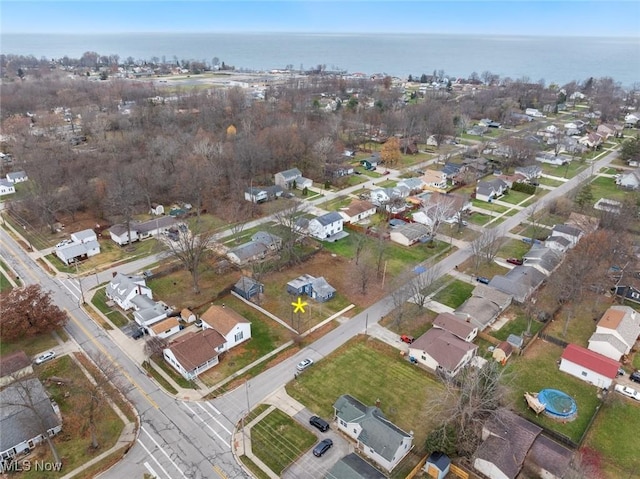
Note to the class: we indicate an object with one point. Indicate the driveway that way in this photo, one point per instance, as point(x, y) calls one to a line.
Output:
point(311, 467)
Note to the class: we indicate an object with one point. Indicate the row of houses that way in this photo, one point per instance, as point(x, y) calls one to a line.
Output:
point(8, 184)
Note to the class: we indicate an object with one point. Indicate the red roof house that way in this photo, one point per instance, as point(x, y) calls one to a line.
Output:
point(589, 366)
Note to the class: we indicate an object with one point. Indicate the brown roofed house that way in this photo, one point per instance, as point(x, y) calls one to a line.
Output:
point(231, 325)
point(195, 352)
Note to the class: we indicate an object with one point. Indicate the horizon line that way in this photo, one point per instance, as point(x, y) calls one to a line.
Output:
point(300, 32)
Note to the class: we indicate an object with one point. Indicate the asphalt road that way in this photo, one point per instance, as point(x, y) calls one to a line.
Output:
point(177, 439)
point(193, 439)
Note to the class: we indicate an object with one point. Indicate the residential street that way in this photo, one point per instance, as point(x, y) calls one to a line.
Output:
point(183, 439)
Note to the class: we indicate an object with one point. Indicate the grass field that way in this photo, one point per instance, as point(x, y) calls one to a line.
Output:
point(454, 294)
point(74, 442)
point(266, 335)
point(513, 248)
point(614, 435)
point(537, 370)
point(603, 187)
point(5, 286)
point(278, 440)
point(31, 346)
point(99, 300)
point(370, 370)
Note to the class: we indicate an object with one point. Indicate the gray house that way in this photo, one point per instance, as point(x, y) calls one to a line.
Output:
point(376, 437)
point(248, 287)
point(22, 427)
point(316, 288)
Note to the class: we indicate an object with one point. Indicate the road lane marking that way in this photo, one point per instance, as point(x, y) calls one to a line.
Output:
point(150, 469)
point(163, 451)
point(151, 456)
point(204, 422)
point(212, 407)
point(212, 417)
point(219, 471)
point(104, 351)
point(62, 283)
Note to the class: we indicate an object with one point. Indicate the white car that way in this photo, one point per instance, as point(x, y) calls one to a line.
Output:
point(304, 364)
point(44, 357)
point(627, 391)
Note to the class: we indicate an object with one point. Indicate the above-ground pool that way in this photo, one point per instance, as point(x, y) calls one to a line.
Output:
point(558, 405)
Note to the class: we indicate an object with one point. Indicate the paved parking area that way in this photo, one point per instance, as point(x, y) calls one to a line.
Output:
point(310, 467)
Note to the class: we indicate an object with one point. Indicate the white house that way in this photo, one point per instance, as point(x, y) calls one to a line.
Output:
point(142, 229)
point(490, 190)
point(534, 112)
point(589, 366)
point(165, 328)
point(410, 233)
point(292, 178)
point(195, 352)
point(379, 196)
point(376, 437)
point(442, 351)
point(17, 177)
point(563, 237)
point(616, 332)
point(434, 179)
point(20, 416)
point(77, 251)
point(630, 179)
point(325, 226)
point(358, 210)
point(6, 187)
point(148, 312)
point(122, 289)
point(232, 327)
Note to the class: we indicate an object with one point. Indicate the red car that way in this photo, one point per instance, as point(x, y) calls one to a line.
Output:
point(406, 339)
point(515, 261)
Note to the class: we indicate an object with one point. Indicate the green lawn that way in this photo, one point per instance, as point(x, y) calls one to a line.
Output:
point(398, 257)
point(159, 378)
point(614, 435)
point(278, 440)
point(490, 206)
point(515, 197)
point(602, 187)
point(517, 326)
point(31, 346)
point(99, 300)
point(513, 248)
point(370, 370)
point(567, 171)
point(549, 182)
point(537, 370)
point(454, 294)
point(74, 442)
point(5, 286)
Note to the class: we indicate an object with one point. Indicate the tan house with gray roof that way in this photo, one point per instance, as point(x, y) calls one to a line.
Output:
point(616, 332)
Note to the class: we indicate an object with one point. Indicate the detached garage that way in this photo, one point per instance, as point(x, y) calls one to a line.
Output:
point(589, 366)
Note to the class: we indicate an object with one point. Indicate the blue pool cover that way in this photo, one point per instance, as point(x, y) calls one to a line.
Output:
point(558, 404)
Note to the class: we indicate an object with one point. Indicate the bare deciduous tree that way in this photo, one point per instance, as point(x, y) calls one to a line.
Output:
point(190, 248)
point(419, 285)
point(155, 345)
point(486, 246)
point(289, 218)
point(466, 404)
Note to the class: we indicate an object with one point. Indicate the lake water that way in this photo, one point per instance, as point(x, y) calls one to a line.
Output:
point(554, 59)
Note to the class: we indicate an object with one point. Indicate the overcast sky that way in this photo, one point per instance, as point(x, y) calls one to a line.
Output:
point(550, 17)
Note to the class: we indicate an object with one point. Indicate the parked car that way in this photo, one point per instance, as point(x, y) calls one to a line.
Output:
point(483, 279)
point(406, 339)
point(319, 423)
point(198, 323)
point(138, 333)
point(304, 364)
point(627, 391)
point(44, 357)
point(635, 376)
point(322, 447)
point(620, 372)
point(515, 261)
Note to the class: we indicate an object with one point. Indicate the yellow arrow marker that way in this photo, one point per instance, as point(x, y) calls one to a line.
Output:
point(298, 305)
